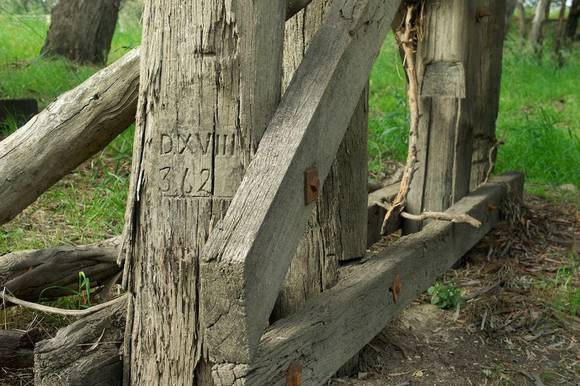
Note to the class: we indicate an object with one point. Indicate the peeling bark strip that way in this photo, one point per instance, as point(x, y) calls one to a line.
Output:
point(316, 337)
point(248, 255)
point(27, 274)
point(445, 62)
point(210, 81)
point(69, 131)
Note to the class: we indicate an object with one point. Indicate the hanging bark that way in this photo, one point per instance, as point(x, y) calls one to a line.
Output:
point(572, 23)
point(540, 15)
point(487, 65)
point(69, 131)
point(203, 106)
point(82, 30)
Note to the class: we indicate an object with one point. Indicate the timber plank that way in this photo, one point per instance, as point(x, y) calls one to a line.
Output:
point(240, 276)
point(318, 338)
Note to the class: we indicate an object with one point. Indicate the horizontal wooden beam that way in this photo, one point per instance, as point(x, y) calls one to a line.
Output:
point(248, 254)
point(329, 330)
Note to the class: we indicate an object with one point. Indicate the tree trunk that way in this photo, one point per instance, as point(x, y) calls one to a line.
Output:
point(559, 58)
point(510, 10)
point(77, 125)
point(537, 24)
point(445, 60)
point(337, 228)
point(572, 23)
point(487, 62)
point(203, 106)
point(521, 11)
point(82, 30)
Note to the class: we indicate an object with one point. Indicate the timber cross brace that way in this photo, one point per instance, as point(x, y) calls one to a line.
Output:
point(248, 254)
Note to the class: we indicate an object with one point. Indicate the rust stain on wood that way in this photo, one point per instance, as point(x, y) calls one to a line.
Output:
point(311, 185)
point(396, 288)
point(294, 374)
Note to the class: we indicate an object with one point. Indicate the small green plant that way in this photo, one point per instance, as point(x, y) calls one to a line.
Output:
point(445, 296)
point(83, 293)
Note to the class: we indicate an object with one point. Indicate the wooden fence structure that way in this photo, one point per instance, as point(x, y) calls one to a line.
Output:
point(237, 275)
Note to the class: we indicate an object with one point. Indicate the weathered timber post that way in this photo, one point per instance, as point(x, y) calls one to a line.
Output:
point(445, 52)
point(337, 227)
point(490, 31)
point(210, 80)
point(338, 224)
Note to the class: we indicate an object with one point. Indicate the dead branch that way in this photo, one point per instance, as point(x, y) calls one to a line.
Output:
point(442, 216)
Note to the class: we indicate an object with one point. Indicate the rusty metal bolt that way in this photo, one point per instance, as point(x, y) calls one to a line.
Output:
point(396, 288)
point(311, 185)
point(294, 374)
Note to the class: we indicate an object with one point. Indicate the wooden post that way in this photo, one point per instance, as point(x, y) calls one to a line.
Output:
point(210, 81)
point(337, 227)
point(338, 224)
point(446, 104)
point(490, 31)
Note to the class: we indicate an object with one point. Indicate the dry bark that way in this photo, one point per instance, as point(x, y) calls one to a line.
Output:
point(28, 274)
point(17, 348)
point(204, 103)
point(540, 16)
point(82, 30)
point(77, 125)
point(83, 353)
point(572, 22)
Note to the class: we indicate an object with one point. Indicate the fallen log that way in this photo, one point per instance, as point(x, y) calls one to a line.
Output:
point(83, 353)
point(73, 128)
point(17, 348)
point(28, 274)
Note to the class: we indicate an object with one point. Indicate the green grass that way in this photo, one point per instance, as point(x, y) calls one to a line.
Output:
point(539, 120)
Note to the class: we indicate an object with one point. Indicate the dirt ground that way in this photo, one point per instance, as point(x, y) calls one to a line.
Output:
point(519, 324)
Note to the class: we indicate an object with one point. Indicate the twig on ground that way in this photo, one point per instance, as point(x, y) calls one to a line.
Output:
point(442, 216)
point(59, 311)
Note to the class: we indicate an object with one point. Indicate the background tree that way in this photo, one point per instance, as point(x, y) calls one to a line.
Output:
point(82, 30)
point(540, 15)
point(572, 23)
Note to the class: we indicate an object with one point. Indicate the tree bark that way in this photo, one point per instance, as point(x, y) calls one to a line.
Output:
point(521, 12)
point(83, 353)
point(82, 30)
point(540, 15)
point(77, 125)
point(29, 274)
point(203, 106)
point(487, 65)
point(572, 23)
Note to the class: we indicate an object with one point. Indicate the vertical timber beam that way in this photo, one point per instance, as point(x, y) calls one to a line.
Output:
point(210, 81)
point(490, 30)
point(337, 227)
point(446, 104)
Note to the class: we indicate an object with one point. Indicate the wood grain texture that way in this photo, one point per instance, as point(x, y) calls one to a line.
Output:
point(446, 107)
point(27, 274)
point(376, 211)
point(248, 254)
point(83, 353)
point(326, 333)
point(490, 31)
point(336, 227)
point(17, 348)
point(76, 126)
point(204, 103)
